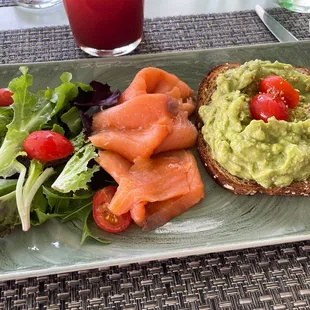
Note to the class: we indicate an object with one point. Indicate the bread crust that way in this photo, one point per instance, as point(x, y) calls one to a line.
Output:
point(219, 174)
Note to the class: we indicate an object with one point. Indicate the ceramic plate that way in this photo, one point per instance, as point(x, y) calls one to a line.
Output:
point(222, 221)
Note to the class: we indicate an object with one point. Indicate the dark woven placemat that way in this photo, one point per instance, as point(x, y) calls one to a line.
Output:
point(160, 35)
point(7, 3)
point(275, 277)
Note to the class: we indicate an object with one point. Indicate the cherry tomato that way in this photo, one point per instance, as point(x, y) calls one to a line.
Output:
point(263, 106)
point(46, 145)
point(103, 217)
point(278, 86)
point(5, 97)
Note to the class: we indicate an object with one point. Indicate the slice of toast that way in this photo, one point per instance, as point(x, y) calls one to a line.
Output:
point(216, 171)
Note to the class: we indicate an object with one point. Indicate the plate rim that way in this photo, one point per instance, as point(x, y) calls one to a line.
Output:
point(113, 59)
point(202, 250)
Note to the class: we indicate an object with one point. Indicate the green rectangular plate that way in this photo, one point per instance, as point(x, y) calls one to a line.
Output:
point(222, 221)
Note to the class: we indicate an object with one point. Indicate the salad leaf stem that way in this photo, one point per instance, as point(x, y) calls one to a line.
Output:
point(33, 172)
point(25, 193)
point(28, 196)
point(77, 213)
point(19, 195)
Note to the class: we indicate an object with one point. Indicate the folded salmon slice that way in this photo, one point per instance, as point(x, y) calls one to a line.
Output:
point(153, 80)
point(138, 112)
point(155, 179)
point(114, 164)
point(183, 136)
point(118, 167)
point(138, 213)
point(161, 212)
point(133, 143)
point(155, 214)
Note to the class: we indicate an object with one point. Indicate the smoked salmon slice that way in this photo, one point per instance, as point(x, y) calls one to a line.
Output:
point(133, 143)
point(155, 214)
point(114, 164)
point(118, 167)
point(154, 80)
point(138, 212)
point(161, 212)
point(183, 136)
point(138, 112)
point(155, 179)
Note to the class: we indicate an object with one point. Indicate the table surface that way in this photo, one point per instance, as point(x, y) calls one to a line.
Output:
point(19, 18)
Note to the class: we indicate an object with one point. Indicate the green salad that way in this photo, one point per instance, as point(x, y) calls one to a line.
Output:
point(33, 191)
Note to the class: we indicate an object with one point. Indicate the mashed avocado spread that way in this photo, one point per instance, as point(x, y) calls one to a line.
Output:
point(272, 154)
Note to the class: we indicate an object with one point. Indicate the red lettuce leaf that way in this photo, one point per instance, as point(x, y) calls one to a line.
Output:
point(94, 101)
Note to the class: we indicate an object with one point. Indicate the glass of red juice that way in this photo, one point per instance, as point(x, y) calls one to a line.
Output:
point(106, 27)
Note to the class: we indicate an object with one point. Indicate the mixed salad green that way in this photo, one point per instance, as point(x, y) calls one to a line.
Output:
point(32, 191)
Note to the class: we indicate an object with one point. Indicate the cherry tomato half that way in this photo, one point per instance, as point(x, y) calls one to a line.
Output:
point(278, 86)
point(5, 97)
point(263, 106)
point(46, 145)
point(103, 217)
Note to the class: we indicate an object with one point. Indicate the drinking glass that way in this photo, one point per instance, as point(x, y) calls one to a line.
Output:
point(302, 6)
point(106, 27)
point(37, 4)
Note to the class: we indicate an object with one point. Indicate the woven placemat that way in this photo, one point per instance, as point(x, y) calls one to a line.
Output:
point(7, 3)
point(160, 35)
point(274, 277)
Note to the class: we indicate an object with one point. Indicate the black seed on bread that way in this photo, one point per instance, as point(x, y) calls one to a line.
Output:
point(216, 171)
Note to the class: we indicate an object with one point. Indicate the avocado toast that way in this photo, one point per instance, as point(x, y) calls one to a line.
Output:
point(224, 174)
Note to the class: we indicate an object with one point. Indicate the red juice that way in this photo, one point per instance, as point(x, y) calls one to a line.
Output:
point(105, 24)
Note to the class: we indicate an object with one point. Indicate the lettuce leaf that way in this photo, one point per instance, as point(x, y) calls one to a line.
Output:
point(51, 204)
point(6, 116)
point(9, 216)
point(65, 203)
point(76, 174)
point(39, 209)
point(7, 186)
point(91, 102)
point(38, 217)
point(71, 207)
point(72, 119)
point(67, 91)
point(17, 196)
point(101, 97)
point(31, 112)
point(58, 128)
point(84, 215)
point(8, 210)
point(79, 141)
point(26, 191)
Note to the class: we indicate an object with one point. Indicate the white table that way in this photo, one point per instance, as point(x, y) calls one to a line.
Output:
point(19, 18)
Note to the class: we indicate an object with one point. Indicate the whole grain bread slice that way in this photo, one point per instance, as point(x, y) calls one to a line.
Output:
point(216, 171)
